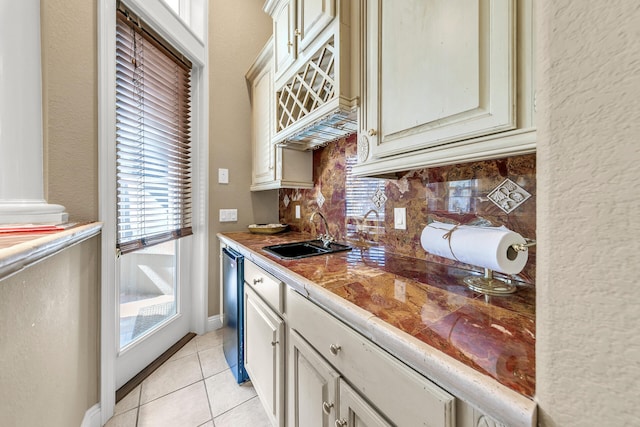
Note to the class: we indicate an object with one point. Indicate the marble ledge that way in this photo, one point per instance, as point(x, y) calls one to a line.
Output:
point(362, 296)
point(20, 250)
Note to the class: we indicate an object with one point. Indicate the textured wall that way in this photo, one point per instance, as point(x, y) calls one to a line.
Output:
point(49, 330)
point(588, 345)
point(237, 32)
point(70, 106)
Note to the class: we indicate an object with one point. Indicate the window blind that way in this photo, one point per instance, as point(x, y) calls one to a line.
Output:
point(153, 144)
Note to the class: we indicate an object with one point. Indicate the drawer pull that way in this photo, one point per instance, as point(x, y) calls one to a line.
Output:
point(340, 422)
point(334, 349)
point(258, 280)
point(326, 407)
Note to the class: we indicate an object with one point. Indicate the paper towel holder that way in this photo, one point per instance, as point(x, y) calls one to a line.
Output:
point(490, 285)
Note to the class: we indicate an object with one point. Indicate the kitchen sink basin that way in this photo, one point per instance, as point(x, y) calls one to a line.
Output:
point(304, 249)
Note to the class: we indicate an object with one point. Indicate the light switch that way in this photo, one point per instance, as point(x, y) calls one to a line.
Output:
point(228, 215)
point(400, 218)
point(298, 212)
point(223, 176)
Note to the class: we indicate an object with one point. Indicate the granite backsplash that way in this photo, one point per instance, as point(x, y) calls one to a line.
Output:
point(361, 210)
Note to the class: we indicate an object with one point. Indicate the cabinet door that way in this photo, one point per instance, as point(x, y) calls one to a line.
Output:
point(264, 351)
point(354, 411)
point(312, 386)
point(284, 49)
point(313, 17)
point(437, 71)
point(262, 118)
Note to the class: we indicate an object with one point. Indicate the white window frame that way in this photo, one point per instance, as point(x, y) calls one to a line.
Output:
point(168, 25)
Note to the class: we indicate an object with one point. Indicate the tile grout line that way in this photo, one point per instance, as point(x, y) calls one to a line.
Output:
point(173, 391)
point(138, 407)
point(206, 390)
point(239, 404)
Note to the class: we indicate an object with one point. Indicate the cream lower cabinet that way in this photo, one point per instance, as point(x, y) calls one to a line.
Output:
point(312, 386)
point(318, 396)
point(337, 377)
point(264, 354)
point(272, 166)
point(356, 411)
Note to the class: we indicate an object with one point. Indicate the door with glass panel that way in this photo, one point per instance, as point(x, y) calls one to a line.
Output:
point(153, 194)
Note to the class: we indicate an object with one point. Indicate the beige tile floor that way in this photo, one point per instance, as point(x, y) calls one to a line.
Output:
point(194, 388)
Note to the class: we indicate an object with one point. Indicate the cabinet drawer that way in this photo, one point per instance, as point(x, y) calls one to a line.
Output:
point(403, 395)
point(268, 287)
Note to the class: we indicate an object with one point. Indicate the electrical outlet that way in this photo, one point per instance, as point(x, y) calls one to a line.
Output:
point(298, 215)
point(223, 176)
point(228, 215)
point(400, 218)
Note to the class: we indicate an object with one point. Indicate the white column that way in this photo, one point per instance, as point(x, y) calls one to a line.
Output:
point(21, 173)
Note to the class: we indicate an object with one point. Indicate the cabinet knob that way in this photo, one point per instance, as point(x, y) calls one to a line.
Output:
point(273, 343)
point(296, 32)
point(340, 422)
point(326, 407)
point(372, 132)
point(334, 349)
point(258, 280)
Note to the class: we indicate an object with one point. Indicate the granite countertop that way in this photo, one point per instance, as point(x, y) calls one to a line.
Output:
point(20, 250)
point(480, 348)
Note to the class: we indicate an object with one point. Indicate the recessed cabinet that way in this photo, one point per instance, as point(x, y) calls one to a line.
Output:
point(273, 166)
point(264, 354)
point(444, 81)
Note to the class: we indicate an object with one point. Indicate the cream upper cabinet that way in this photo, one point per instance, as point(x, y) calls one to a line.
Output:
point(283, 14)
point(273, 166)
point(313, 16)
point(444, 81)
point(261, 80)
point(315, 53)
point(296, 24)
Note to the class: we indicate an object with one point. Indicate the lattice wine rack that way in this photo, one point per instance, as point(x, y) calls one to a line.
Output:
point(309, 89)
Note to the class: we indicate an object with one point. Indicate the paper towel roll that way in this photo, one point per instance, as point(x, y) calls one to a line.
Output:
point(482, 246)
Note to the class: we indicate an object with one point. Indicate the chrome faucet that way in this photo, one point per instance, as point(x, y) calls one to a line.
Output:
point(326, 237)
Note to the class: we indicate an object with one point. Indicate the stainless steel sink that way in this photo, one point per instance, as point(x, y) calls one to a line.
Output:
point(304, 249)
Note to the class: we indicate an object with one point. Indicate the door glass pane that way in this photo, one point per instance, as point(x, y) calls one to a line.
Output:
point(148, 290)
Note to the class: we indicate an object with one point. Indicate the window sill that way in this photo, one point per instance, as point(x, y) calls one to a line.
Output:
point(20, 250)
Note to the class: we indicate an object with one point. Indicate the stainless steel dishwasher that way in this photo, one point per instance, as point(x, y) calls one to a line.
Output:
point(233, 307)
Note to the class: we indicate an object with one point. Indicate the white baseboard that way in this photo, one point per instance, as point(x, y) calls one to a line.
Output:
point(92, 417)
point(214, 322)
